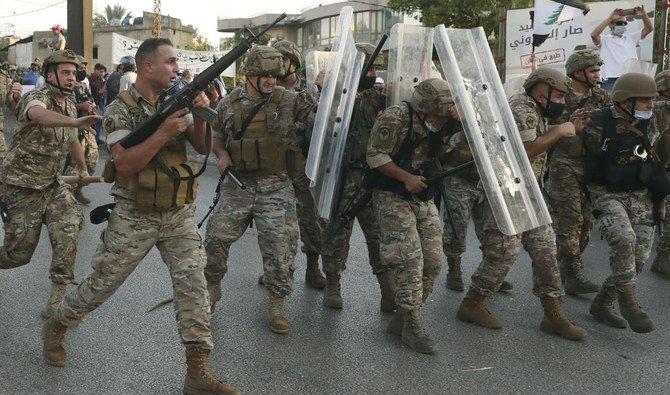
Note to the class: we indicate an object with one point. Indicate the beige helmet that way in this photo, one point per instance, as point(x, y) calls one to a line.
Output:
point(632, 85)
point(64, 56)
point(581, 60)
point(549, 76)
point(368, 49)
point(290, 50)
point(663, 81)
point(432, 96)
point(263, 60)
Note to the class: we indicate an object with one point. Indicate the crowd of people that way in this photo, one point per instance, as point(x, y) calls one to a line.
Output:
point(599, 155)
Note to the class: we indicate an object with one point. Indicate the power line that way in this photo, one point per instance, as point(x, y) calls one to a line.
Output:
point(30, 12)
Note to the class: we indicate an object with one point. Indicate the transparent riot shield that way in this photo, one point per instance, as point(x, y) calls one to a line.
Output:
point(315, 63)
point(499, 154)
point(336, 103)
point(410, 52)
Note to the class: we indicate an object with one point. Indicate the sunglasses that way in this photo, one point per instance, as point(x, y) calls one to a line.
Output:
point(620, 23)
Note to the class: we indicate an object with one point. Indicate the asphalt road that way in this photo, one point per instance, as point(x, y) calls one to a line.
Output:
point(122, 349)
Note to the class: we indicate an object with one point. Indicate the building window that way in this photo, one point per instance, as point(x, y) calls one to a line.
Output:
point(95, 52)
point(299, 37)
point(362, 26)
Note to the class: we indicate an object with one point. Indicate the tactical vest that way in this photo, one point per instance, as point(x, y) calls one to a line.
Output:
point(154, 189)
point(256, 146)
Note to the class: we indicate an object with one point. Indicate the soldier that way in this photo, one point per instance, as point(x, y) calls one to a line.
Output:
point(624, 190)
point(403, 144)
point(661, 265)
point(369, 102)
point(571, 207)
point(29, 185)
point(255, 133)
point(153, 208)
point(10, 94)
point(310, 229)
point(542, 100)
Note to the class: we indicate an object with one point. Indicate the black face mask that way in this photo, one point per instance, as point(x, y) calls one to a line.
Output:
point(553, 110)
point(81, 74)
point(366, 83)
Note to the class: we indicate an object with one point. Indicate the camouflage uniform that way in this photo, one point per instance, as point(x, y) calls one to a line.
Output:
point(338, 232)
point(91, 155)
point(661, 118)
point(5, 97)
point(32, 192)
point(500, 251)
point(132, 232)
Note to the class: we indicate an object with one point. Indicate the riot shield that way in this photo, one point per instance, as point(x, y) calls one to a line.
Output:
point(336, 102)
point(315, 62)
point(499, 154)
point(410, 52)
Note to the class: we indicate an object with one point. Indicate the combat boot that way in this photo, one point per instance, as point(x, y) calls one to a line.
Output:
point(602, 308)
point(278, 321)
point(473, 309)
point(79, 196)
point(394, 326)
point(630, 309)
point(574, 282)
point(332, 296)
point(505, 286)
point(260, 280)
point(556, 321)
point(53, 342)
point(199, 379)
point(414, 335)
point(661, 265)
point(313, 276)
point(387, 288)
point(454, 279)
point(55, 298)
point(214, 289)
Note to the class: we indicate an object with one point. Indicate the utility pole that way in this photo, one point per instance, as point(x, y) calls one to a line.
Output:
point(80, 28)
point(156, 32)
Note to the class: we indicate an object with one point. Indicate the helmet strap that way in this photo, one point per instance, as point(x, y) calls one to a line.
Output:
point(586, 80)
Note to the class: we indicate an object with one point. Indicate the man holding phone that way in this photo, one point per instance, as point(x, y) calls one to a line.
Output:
point(619, 45)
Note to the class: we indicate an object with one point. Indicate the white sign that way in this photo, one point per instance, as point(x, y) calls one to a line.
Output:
point(194, 60)
point(566, 37)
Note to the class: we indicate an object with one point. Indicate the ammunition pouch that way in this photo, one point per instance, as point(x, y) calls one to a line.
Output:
point(258, 156)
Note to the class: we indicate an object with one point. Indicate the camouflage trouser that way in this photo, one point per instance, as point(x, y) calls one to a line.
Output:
point(310, 229)
point(28, 210)
point(91, 156)
point(3, 144)
point(571, 214)
point(663, 247)
point(410, 243)
point(625, 221)
point(129, 236)
point(269, 202)
point(462, 196)
point(337, 232)
point(499, 252)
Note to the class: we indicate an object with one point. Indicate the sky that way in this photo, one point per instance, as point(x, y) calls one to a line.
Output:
point(202, 14)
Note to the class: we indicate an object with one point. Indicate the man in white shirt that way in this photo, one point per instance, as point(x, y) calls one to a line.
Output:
point(129, 76)
point(619, 45)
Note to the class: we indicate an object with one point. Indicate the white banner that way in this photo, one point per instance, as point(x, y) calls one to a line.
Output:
point(24, 54)
point(565, 37)
point(194, 60)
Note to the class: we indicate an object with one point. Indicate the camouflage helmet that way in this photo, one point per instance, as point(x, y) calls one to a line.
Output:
point(632, 85)
point(663, 81)
point(549, 76)
point(368, 49)
point(432, 96)
point(263, 60)
point(290, 50)
point(581, 60)
point(57, 57)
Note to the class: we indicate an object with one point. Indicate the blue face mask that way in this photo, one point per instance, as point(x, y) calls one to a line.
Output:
point(619, 30)
point(643, 115)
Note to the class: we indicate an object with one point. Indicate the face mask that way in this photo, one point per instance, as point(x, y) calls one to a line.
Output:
point(81, 74)
point(619, 30)
point(366, 83)
point(553, 109)
point(643, 115)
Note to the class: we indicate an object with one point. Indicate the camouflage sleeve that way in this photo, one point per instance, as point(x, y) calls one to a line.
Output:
point(384, 137)
point(224, 119)
point(527, 120)
point(592, 133)
point(117, 123)
point(34, 98)
point(305, 109)
point(4, 90)
point(73, 132)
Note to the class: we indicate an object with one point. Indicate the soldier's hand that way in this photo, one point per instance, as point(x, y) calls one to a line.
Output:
point(224, 164)
point(453, 111)
point(16, 90)
point(568, 129)
point(414, 183)
point(580, 119)
point(87, 121)
point(639, 10)
point(318, 81)
point(201, 100)
point(175, 124)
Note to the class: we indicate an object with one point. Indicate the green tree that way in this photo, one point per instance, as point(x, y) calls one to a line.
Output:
point(116, 11)
point(200, 43)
